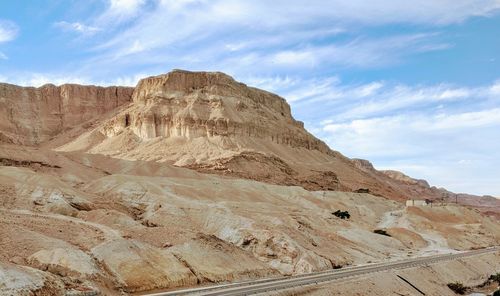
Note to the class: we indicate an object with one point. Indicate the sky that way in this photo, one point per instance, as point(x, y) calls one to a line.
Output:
point(409, 85)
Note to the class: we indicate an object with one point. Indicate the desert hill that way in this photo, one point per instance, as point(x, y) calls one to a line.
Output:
point(31, 116)
point(193, 178)
point(209, 122)
point(204, 121)
point(81, 223)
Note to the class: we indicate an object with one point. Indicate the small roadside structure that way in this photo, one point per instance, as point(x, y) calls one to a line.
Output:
point(418, 202)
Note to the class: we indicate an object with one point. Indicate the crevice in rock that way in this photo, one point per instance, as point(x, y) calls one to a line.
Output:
point(199, 278)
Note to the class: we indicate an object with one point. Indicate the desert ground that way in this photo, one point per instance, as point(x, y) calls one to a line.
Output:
point(192, 179)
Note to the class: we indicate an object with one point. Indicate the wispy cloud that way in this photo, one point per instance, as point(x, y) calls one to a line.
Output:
point(8, 31)
point(428, 131)
point(119, 12)
point(442, 132)
point(3, 56)
point(248, 38)
point(76, 27)
point(39, 79)
point(444, 148)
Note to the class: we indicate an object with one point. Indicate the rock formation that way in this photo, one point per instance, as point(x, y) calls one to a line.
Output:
point(31, 116)
point(211, 123)
point(121, 190)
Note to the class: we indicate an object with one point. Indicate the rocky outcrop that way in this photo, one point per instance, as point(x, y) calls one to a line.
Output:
point(205, 121)
point(215, 260)
point(64, 262)
point(139, 267)
point(363, 164)
point(398, 176)
point(30, 116)
point(209, 122)
point(204, 104)
point(22, 280)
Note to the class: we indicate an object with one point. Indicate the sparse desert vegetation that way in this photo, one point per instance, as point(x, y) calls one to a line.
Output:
point(342, 214)
point(457, 287)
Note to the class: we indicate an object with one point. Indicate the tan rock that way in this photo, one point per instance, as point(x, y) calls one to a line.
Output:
point(215, 260)
point(22, 280)
point(31, 116)
point(138, 266)
point(64, 262)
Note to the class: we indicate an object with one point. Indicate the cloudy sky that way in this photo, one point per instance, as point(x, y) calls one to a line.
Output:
point(412, 86)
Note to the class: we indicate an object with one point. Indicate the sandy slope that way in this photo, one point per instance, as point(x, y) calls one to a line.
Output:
point(84, 219)
point(113, 194)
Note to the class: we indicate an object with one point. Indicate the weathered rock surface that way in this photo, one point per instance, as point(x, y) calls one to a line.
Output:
point(30, 116)
point(151, 225)
point(148, 217)
point(201, 120)
point(64, 261)
point(140, 267)
point(24, 281)
point(215, 260)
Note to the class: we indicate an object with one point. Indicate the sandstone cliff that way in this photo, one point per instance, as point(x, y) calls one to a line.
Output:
point(31, 116)
point(209, 122)
point(205, 121)
point(121, 167)
point(209, 105)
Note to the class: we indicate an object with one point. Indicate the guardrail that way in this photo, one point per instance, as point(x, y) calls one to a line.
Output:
point(270, 284)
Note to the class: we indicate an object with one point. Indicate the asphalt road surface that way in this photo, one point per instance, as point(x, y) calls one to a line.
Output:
point(275, 284)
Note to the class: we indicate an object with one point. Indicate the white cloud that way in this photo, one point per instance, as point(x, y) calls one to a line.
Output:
point(8, 31)
point(242, 34)
point(379, 98)
point(125, 6)
point(433, 147)
point(294, 58)
point(39, 79)
point(120, 10)
point(495, 89)
point(443, 133)
point(76, 27)
point(3, 56)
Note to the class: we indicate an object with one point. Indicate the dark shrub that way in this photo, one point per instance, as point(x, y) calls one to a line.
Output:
point(457, 287)
point(495, 278)
point(496, 293)
point(342, 214)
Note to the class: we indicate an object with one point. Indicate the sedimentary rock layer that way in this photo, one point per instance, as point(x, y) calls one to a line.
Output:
point(31, 116)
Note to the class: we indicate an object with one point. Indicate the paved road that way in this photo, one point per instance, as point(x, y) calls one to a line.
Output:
point(273, 284)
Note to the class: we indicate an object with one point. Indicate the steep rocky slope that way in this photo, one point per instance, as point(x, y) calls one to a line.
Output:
point(204, 121)
point(214, 124)
point(105, 189)
point(90, 222)
point(31, 116)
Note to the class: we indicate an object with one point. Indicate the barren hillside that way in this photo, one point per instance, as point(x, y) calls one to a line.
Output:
point(194, 178)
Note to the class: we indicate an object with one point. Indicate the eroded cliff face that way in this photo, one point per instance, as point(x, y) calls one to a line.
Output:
point(205, 104)
point(143, 224)
point(30, 116)
point(204, 121)
point(209, 122)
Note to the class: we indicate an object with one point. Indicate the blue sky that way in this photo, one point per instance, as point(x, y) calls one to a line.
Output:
point(412, 86)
